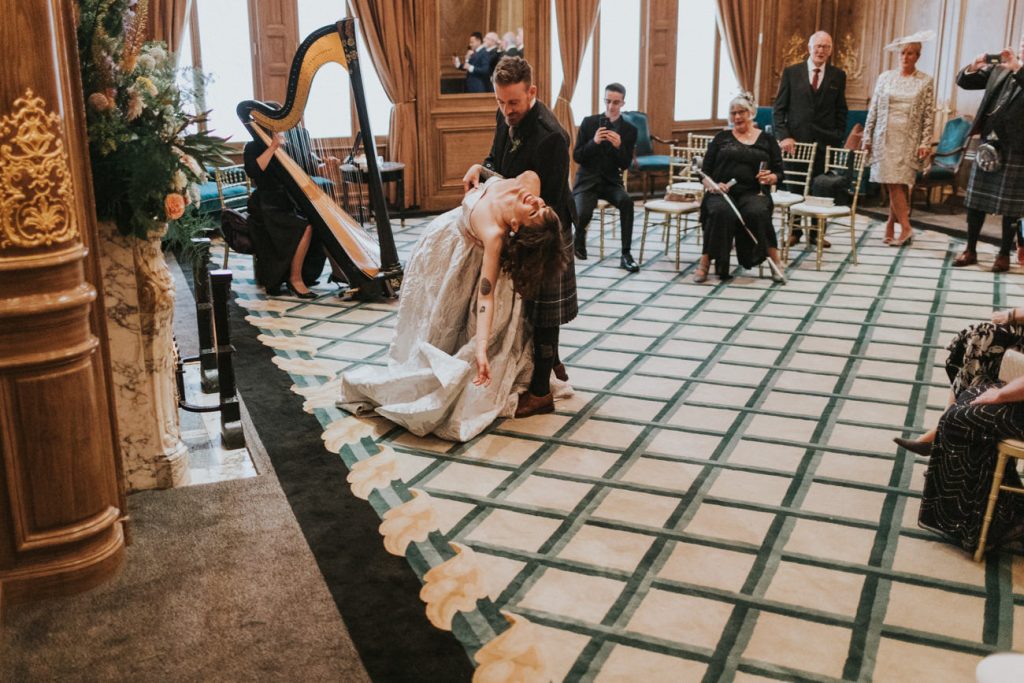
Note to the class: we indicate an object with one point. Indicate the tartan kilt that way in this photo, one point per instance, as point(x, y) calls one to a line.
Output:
point(556, 302)
point(1000, 192)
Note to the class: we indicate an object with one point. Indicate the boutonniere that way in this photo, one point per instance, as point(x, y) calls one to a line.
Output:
point(516, 143)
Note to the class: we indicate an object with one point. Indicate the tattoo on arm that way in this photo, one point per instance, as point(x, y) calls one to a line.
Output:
point(485, 286)
point(483, 308)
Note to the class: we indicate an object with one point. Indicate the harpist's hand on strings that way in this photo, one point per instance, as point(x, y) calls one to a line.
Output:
point(483, 370)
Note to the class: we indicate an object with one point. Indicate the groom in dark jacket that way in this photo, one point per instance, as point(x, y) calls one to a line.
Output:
point(604, 149)
point(529, 138)
point(811, 106)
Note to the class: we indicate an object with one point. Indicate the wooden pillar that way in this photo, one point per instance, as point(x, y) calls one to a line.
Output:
point(61, 500)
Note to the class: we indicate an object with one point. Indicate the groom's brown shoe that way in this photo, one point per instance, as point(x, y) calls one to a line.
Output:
point(534, 405)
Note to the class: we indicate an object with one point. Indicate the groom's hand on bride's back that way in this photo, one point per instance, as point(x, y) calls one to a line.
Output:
point(472, 177)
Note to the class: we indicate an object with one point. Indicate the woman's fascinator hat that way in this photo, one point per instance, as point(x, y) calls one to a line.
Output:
point(919, 37)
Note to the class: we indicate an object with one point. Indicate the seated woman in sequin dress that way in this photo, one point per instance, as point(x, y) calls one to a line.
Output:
point(751, 158)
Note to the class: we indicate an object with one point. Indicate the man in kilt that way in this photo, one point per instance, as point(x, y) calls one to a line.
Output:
point(529, 138)
point(999, 191)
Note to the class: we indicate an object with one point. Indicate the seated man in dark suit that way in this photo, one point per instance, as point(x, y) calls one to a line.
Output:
point(604, 148)
point(811, 107)
point(477, 65)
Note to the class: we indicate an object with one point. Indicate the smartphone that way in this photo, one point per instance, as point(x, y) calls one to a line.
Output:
point(993, 59)
point(602, 122)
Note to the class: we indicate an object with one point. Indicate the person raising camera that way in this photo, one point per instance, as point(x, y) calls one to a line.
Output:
point(604, 149)
point(997, 178)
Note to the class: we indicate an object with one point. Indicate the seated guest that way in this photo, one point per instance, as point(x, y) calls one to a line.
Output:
point(604, 149)
point(975, 355)
point(963, 459)
point(744, 161)
point(281, 234)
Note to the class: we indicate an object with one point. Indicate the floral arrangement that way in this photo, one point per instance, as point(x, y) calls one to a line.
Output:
point(148, 155)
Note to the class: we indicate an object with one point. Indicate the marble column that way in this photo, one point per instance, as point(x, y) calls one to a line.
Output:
point(139, 296)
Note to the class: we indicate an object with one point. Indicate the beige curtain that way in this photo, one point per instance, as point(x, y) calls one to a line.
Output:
point(389, 28)
point(576, 21)
point(167, 21)
point(739, 22)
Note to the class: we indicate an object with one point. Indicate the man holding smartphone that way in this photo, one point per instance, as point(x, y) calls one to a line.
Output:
point(999, 188)
point(604, 149)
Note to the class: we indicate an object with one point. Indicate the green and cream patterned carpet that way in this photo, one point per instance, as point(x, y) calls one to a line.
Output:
point(720, 500)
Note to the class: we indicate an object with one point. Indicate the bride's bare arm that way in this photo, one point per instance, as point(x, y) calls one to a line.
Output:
point(485, 304)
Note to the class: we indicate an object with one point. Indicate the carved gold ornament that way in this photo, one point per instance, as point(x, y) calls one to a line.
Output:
point(793, 50)
point(36, 195)
point(848, 57)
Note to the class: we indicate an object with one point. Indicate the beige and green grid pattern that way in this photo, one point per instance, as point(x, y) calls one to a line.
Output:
point(721, 499)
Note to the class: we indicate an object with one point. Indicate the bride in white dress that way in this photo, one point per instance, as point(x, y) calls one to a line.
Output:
point(462, 350)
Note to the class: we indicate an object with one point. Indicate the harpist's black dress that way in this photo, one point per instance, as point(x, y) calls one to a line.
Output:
point(276, 225)
point(728, 158)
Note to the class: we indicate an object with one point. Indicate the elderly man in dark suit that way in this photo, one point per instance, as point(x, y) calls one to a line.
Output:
point(604, 149)
point(1000, 120)
point(529, 138)
point(811, 106)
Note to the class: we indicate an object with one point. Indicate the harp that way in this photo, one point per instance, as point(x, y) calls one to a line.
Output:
point(370, 264)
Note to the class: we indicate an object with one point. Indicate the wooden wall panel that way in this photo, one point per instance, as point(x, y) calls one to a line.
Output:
point(277, 25)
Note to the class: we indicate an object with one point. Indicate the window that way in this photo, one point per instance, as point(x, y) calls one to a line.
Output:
point(224, 54)
point(617, 58)
point(705, 79)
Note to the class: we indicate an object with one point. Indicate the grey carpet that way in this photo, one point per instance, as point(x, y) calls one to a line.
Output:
point(219, 585)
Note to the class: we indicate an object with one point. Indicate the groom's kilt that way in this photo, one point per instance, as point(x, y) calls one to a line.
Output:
point(1000, 192)
point(556, 302)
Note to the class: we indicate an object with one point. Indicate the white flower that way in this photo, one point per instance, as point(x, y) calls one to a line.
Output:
point(193, 194)
point(410, 522)
point(347, 430)
point(376, 472)
point(146, 62)
point(157, 53)
point(453, 586)
point(514, 655)
point(179, 182)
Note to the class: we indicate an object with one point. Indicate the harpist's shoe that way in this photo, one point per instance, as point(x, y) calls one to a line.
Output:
point(534, 405)
point(914, 446)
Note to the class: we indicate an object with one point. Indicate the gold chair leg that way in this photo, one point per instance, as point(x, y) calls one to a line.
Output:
point(821, 241)
point(643, 235)
point(602, 234)
point(786, 217)
point(993, 494)
point(853, 238)
point(679, 236)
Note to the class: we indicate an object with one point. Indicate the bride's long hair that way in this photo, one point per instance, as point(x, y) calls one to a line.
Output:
point(534, 255)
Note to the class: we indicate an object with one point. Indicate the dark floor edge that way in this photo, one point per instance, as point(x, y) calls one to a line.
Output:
point(377, 594)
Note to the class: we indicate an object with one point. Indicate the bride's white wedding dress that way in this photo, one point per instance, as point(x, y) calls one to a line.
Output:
point(427, 385)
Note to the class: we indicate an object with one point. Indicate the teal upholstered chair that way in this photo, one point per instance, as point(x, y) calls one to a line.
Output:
point(942, 165)
point(646, 161)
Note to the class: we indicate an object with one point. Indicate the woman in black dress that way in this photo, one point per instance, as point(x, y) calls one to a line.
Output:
point(751, 158)
point(281, 234)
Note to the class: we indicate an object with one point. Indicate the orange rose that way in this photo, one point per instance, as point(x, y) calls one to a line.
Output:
point(174, 206)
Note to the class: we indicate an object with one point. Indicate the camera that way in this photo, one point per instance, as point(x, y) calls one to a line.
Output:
point(993, 59)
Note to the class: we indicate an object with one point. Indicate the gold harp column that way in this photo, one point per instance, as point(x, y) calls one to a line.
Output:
point(61, 500)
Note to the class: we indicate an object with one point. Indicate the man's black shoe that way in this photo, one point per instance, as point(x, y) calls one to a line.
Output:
point(580, 246)
point(627, 263)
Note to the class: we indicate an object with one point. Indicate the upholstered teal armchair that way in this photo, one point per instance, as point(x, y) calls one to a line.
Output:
point(942, 165)
point(646, 161)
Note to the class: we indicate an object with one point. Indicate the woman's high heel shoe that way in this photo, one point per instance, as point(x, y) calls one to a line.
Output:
point(914, 446)
point(296, 293)
point(905, 242)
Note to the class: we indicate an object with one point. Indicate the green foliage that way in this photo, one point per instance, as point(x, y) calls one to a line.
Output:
point(148, 156)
